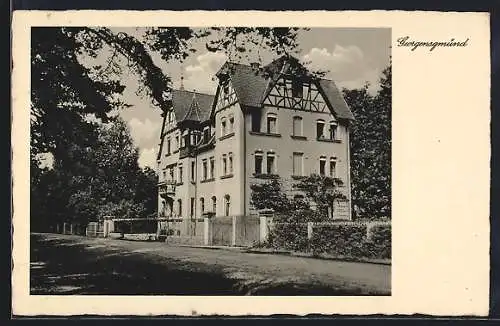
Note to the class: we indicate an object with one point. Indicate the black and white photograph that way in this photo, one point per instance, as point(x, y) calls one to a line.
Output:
point(210, 161)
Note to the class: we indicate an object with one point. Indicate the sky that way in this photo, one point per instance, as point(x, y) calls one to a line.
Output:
point(352, 57)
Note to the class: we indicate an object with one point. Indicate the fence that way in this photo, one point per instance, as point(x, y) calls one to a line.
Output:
point(95, 229)
point(340, 238)
point(182, 231)
point(242, 231)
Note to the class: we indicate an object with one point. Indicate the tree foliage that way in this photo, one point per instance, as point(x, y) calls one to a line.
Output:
point(95, 169)
point(370, 141)
point(94, 181)
point(269, 196)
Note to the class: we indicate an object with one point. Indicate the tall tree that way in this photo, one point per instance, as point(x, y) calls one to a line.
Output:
point(370, 143)
point(90, 164)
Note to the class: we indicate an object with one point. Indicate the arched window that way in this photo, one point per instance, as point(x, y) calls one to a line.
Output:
point(322, 165)
point(179, 207)
point(271, 163)
point(231, 123)
point(272, 123)
point(333, 167)
point(258, 162)
point(227, 204)
point(297, 126)
point(320, 127)
point(214, 205)
point(230, 156)
point(333, 130)
point(223, 126)
point(202, 205)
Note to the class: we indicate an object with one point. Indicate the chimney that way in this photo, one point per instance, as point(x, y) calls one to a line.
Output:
point(255, 65)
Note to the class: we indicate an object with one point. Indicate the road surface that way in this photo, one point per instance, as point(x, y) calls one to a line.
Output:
point(64, 264)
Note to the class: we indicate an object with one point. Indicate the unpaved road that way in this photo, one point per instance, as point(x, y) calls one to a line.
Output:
point(62, 264)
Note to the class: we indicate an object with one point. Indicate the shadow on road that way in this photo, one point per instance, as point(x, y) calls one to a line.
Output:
point(69, 267)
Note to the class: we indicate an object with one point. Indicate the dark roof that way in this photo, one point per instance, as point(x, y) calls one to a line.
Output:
point(336, 99)
point(252, 85)
point(191, 105)
point(249, 84)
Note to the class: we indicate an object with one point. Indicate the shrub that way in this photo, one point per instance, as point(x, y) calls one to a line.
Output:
point(289, 236)
point(380, 243)
point(136, 226)
point(339, 239)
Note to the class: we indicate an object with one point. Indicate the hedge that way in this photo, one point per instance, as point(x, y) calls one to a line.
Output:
point(379, 245)
point(289, 236)
point(136, 226)
point(343, 240)
point(339, 239)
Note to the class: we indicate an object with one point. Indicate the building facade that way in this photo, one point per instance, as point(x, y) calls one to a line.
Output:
point(263, 122)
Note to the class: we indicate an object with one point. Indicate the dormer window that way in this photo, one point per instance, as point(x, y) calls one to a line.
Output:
point(297, 88)
point(206, 134)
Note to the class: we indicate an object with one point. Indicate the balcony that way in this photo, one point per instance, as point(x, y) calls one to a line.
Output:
point(166, 188)
point(187, 151)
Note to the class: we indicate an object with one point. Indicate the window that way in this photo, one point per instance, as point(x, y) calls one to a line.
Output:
point(231, 124)
point(214, 204)
point(193, 169)
point(322, 165)
point(258, 163)
point(177, 142)
point(256, 121)
point(205, 169)
point(186, 139)
point(223, 126)
point(271, 123)
point(298, 164)
point(297, 126)
point(192, 207)
point(230, 162)
point(180, 173)
point(168, 145)
point(179, 207)
point(171, 172)
point(333, 130)
point(333, 166)
point(202, 205)
point(296, 88)
point(227, 204)
point(206, 135)
point(320, 126)
point(164, 175)
point(270, 163)
point(212, 167)
point(224, 164)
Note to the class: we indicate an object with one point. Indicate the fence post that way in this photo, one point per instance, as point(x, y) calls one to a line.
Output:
point(263, 228)
point(71, 228)
point(233, 238)
point(309, 230)
point(64, 228)
point(105, 229)
point(57, 228)
point(206, 231)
